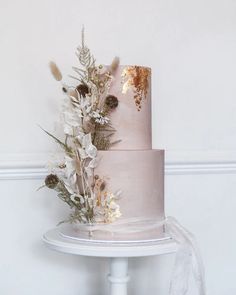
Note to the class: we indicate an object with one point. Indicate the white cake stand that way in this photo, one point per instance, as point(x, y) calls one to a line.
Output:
point(118, 254)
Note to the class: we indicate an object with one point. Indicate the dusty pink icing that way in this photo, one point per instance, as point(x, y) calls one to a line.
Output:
point(131, 165)
point(140, 176)
point(133, 126)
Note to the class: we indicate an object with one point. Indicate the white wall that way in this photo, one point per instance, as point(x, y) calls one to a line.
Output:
point(190, 46)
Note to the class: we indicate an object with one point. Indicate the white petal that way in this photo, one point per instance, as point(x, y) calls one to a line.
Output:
point(93, 163)
point(87, 140)
point(117, 194)
point(91, 151)
point(69, 188)
point(89, 171)
point(68, 129)
point(80, 137)
point(82, 153)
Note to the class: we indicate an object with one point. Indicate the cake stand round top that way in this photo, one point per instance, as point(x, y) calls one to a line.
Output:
point(54, 240)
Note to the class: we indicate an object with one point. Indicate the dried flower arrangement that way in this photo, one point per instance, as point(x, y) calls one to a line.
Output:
point(88, 128)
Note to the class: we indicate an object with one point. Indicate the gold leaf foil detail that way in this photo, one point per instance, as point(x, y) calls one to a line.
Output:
point(136, 78)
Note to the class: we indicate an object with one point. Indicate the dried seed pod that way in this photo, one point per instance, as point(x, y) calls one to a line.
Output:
point(51, 181)
point(62, 166)
point(64, 89)
point(111, 101)
point(77, 199)
point(102, 186)
point(82, 89)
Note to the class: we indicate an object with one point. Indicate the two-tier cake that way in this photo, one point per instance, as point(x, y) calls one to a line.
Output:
point(132, 166)
point(108, 173)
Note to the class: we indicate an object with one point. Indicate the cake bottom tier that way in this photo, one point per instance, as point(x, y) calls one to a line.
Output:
point(139, 175)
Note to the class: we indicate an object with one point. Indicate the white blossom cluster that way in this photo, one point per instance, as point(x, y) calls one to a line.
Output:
point(74, 117)
point(99, 118)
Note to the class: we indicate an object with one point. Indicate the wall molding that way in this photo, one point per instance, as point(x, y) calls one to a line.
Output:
point(200, 168)
point(33, 166)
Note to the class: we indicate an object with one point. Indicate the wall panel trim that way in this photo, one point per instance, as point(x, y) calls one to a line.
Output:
point(33, 166)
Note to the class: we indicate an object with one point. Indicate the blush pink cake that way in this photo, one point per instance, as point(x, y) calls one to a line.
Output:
point(131, 165)
point(108, 174)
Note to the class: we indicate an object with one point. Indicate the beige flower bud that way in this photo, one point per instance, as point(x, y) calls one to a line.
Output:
point(55, 71)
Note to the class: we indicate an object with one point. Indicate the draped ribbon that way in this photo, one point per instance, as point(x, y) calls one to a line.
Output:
point(188, 259)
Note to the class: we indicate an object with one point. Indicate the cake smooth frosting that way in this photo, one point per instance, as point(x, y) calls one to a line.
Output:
point(132, 118)
point(131, 166)
point(139, 175)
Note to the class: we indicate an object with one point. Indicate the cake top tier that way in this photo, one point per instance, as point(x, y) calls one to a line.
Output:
point(132, 118)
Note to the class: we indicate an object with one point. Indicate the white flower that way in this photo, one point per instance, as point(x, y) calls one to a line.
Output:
point(91, 150)
point(88, 150)
point(108, 208)
point(91, 165)
point(113, 205)
point(117, 194)
point(68, 129)
point(53, 165)
point(70, 186)
point(95, 114)
point(81, 199)
point(80, 137)
point(82, 153)
point(113, 211)
point(71, 116)
point(70, 174)
point(99, 118)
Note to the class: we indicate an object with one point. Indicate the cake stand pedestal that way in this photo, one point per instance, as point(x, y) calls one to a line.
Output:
point(118, 254)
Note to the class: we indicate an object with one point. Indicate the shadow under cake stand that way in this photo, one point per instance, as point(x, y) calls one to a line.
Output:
point(117, 251)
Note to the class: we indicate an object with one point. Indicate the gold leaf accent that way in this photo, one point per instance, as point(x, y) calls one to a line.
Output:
point(136, 78)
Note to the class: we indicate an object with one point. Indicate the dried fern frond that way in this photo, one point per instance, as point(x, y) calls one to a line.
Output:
point(55, 71)
point(115, 142)
point(82, 73)
point(78, 71)
point(84, 55)
point(75, 78)
point(101, 142)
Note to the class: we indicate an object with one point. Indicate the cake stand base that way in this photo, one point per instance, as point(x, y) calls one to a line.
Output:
point(118, 276)
point(118, 254)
